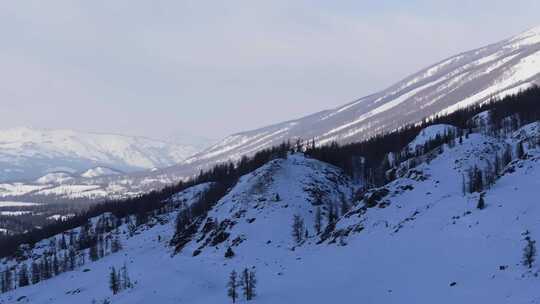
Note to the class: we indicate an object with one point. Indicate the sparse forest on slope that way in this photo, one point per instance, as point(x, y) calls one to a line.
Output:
point(413, 215)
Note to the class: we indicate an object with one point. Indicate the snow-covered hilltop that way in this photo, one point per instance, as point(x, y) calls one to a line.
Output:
point(472, 77)
point(456, 222)
point(27, 153)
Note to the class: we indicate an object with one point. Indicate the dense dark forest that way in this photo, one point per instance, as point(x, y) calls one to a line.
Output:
point(371, 155)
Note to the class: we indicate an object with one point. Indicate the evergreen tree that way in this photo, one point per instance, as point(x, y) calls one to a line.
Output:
point(520, 152)
point(93, 253)
point(252, 284)
point(55, 266)
point(331, 216)
point(114, 283)
point(529, 252)
point(481, 203)
point(298, 229)
point(24, 280)
point(125, 280)
point(116, 245)
point(344, 207)
point(36, 272)
point(72, 259)
point(232, 286)
point(318, 220)
point(3, 285)
point(248, 282)
point(229, 253)
point(6, 283)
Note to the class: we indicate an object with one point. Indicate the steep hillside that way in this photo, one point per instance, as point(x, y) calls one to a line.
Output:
point(422, 238)
point(472, 77)
point(27, 153)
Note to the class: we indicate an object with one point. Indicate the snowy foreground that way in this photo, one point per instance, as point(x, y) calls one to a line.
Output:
point(424, 240)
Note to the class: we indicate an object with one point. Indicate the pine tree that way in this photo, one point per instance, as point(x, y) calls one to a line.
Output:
point(298, 229)
point(6, 282)
point(72, 259)
point(24, 280)
point(318, 220)
point(520, 152)
point(116, 245)
point(113, 281)
point(252, 284)
point(3, 286)
point(93, 253)
point(529, 252)
point(248, 281)
point(332, 216)
point(55, 266)
point(9, 279)
point(125, 280)
point(35, 273)
point(229, 253)
point(232, 286)
point(481, 203)
point(344, 207)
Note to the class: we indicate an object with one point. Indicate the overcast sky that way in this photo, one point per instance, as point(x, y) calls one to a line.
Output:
point(212, 68)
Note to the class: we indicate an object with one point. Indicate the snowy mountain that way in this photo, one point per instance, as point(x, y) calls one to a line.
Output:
point(421, 238)
point(99, 171)
point(55, 178)
point(27, 153)
point(471, 77)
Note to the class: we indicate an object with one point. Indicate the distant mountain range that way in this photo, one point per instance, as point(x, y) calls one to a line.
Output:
point(27, 153)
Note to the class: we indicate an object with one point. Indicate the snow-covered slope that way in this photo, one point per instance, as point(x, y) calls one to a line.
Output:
point(27, 153)
point(419, 240)
point(472, 77)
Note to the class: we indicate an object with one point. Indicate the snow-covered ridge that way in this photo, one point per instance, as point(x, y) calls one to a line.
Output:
point(469, 78)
